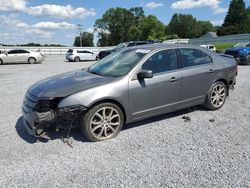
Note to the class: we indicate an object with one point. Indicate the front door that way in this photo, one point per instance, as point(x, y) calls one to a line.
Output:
point(22, 55)
point(11, 57)
point(157, 95)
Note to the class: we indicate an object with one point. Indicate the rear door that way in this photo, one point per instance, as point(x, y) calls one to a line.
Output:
point(89, 55)
point(197, 70)
point(22, 55)
point(84, 55)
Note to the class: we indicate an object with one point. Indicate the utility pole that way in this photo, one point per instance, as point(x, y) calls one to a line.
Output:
point(79, 26)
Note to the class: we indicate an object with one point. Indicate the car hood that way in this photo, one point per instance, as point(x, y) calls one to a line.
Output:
point(67, 83)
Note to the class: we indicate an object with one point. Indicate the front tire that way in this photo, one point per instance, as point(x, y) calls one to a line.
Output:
point(77, 59)
point(1, 61)
point(31, 60)
point(217, 96)
point(102, 122)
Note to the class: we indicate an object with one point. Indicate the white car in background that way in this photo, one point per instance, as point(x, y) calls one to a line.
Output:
point(209, 46)
point(80, 55)
point(21, 56)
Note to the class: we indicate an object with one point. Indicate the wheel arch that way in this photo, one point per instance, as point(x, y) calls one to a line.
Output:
point(32, 57)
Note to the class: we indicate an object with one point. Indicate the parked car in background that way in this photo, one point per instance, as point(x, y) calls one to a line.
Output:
point(21, 56)
point(241, 52)
point(80, 55)
point(120, 46)
point(129, 85)
point(209, 46)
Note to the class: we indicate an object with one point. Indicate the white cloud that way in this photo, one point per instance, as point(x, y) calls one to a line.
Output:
point(13, 5)
point(54, 25)
point(11, 35)
point(153, 5)
point(217, 22)
point(11, 20)
point(189, 4)
point(40, 33)
point(55, 11)
point(60, 12)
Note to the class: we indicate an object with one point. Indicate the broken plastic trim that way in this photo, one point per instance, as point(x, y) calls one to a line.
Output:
point(73, 108)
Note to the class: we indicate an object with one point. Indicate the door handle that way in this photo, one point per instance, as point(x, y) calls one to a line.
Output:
point(173, 79)
point(211, 71)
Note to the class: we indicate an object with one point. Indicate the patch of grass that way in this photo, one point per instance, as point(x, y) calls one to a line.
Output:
point(223, 46)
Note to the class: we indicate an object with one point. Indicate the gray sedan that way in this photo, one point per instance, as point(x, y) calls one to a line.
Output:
point(127, 86)
point(21, 56)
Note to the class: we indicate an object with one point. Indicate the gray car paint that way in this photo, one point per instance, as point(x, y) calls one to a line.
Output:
point(139, 98)
point(67, 83)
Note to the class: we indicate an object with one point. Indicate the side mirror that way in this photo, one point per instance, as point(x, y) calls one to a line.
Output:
point(6, 53)
point(145, 74)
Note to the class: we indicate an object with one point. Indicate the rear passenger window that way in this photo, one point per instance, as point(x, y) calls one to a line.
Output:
point(194, 57)
point(162, 61)
point(84, 52)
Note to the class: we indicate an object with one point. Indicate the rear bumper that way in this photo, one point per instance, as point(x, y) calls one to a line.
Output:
point(40, 59)
point(69, 57)
point(243, 60)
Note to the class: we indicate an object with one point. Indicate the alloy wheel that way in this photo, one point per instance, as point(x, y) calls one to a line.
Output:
point(218, 95)
point(105, 123)
point(77, 59)
point(32, 60)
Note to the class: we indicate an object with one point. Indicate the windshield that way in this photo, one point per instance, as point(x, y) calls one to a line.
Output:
point(119, 63)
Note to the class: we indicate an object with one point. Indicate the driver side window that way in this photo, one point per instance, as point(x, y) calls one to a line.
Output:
point(160, 62)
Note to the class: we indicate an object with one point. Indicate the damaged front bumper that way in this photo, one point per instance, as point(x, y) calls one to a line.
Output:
point(36, 123)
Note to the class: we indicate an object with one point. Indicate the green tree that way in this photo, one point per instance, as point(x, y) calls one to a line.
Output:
point(205, 26)
point(138, 12)
point(87, 39)
point(103, 39)
point(236, 13)
point(117, 21)
point(185, 26)
point(151, 28)
point(236, 20)
point(125, 25)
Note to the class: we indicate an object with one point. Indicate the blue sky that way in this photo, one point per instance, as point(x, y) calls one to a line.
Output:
point(54, 21)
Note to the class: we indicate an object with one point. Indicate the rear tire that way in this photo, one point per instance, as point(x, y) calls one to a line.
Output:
point(31, 60)
point(1, 61)
point(102, 122)
point(77, 59)
point(216, 96)
point(248, 59)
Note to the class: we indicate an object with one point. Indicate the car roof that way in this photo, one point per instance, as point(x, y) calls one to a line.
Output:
point(159, 46)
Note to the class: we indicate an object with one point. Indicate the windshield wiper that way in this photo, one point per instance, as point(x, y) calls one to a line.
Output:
point(97, 73)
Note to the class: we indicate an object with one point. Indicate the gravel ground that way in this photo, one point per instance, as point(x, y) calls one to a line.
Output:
point(165, 151)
